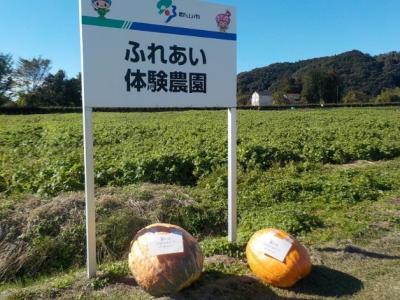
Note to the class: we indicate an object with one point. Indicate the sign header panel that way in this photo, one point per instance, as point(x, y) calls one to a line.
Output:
point(158, 53)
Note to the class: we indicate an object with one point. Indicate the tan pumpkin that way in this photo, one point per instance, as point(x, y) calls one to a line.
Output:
point(167, 273)
point(295, 266)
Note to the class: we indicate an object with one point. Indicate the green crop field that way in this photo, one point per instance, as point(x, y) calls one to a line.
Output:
point(43, 154)
point(329, 177)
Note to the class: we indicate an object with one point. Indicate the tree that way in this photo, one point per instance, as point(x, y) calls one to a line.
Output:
point(321, 87)
point(312, 87)
point(290, 85)
point(286, 85)
point(355, 97)
point(56, 90)
point(243, 100)
point(278, 98)
point(74, 91)
point(5, 77)
point(389, 95)
point(333, 89)
point(30, 74)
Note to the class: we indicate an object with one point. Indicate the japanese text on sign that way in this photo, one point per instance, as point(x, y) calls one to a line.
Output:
point(162, 81)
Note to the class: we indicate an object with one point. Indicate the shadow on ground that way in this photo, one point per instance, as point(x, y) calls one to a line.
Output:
point(217, 285)
point(327, 282)
point(356, 250)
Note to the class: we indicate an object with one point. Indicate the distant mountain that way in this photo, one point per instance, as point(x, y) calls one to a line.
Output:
point(356, 71)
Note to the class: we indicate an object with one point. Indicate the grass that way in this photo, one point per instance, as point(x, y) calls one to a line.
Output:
point(344, 211)
point(356, 253)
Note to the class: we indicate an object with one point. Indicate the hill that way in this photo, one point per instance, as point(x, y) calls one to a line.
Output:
point(354, 70)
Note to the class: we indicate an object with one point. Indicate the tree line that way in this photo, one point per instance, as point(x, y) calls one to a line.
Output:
point(350, 77)
point(320, 87)
point(28, 82)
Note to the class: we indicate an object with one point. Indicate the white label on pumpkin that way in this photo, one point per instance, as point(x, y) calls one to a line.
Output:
point(276, 247)
point(162, 243)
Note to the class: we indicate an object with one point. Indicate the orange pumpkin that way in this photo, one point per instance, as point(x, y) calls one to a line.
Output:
point(295, 266)
point(163, 274)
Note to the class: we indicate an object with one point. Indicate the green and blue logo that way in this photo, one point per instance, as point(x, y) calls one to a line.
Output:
point(166, 8)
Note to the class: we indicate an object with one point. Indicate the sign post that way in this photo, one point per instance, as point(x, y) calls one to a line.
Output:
point(89, 193)
point(232, 192)
point(156, 53)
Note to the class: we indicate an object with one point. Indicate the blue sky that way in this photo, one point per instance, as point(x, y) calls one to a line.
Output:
point(269, 31)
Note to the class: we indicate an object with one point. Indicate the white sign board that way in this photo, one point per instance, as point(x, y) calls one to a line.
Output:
point(162, 243)
point(274, 246)
point(277, 247)
point(158, 53)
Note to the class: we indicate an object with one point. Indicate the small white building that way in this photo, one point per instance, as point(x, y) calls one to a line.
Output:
point(261, 99)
